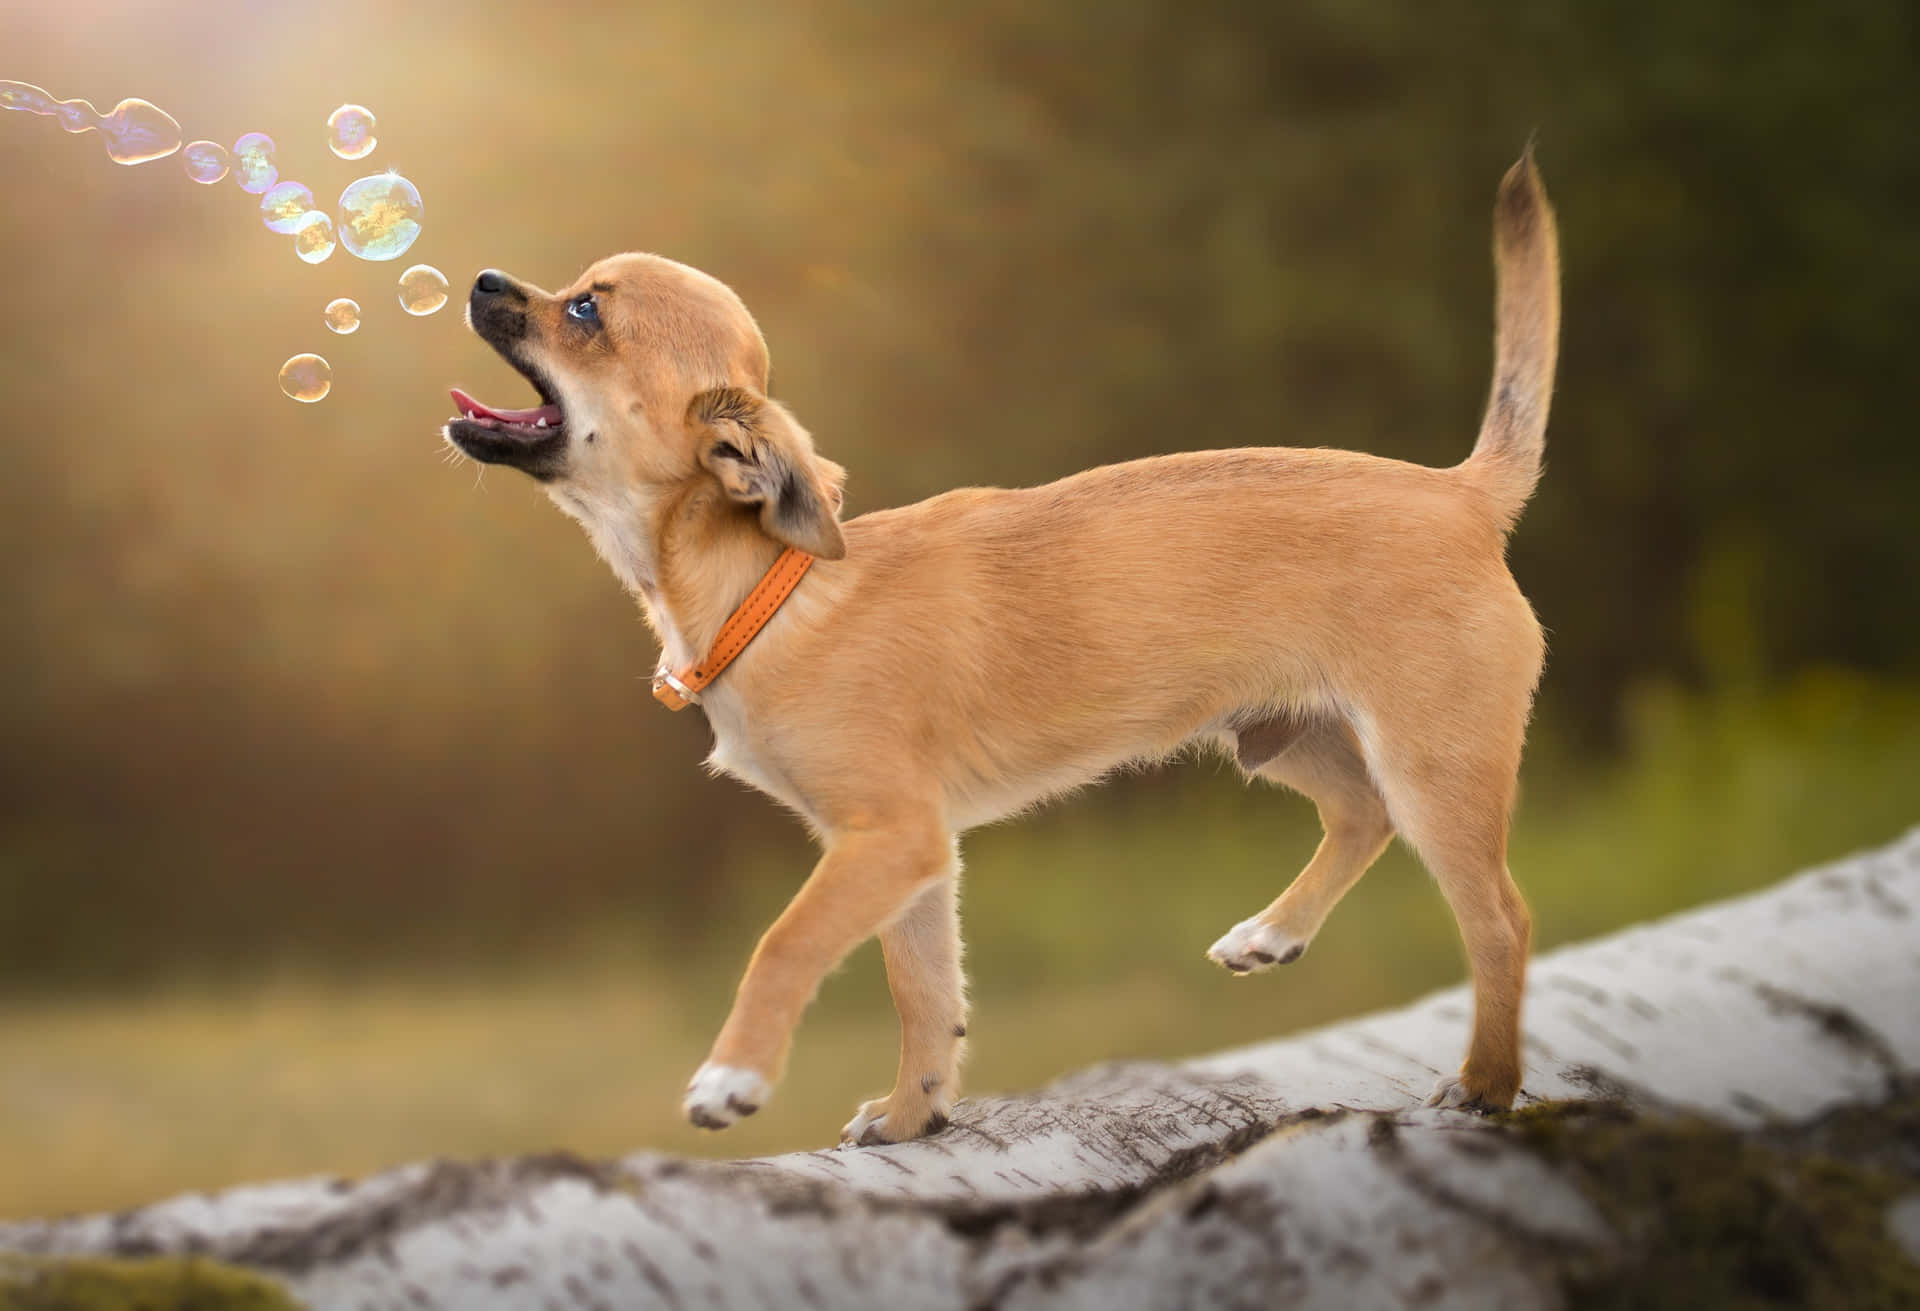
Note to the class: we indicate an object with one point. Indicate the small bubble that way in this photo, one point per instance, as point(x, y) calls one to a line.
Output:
point(380, 216)
point(343, 316)
point(25, 96)
point(423, 289)
point(138, 131)
point(306, 378)
point(313, 236)
point(253, 166)
point(350, 132)
point(77, 115)
point(285, 204)
point(206, 161)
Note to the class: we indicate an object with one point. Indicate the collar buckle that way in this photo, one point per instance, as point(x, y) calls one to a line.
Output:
point(666, 685)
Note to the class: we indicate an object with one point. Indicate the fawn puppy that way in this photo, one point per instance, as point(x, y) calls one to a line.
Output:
point(1339, 623)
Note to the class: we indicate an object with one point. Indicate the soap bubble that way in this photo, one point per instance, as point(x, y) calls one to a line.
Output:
point(285, 204)
point(25, 96)
point(350, 132)
point(138, 131)
point(253, 166)
point(206, 161)
point(343, 316)
point(77, 115)
point(313, 236)
point(423, 289)
point(380, 216)
point(306, 378)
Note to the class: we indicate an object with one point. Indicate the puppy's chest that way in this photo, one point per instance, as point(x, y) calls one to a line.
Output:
point(737, 751)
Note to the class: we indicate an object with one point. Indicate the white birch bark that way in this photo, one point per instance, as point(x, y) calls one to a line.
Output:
point(1302, 1172)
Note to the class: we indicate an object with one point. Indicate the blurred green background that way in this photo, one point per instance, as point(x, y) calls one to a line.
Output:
point(337, 827)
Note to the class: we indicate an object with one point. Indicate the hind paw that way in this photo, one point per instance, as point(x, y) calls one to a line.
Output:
point(1454, 1093)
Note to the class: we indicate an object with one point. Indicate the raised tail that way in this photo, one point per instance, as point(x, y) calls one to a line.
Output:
point(1526, 341)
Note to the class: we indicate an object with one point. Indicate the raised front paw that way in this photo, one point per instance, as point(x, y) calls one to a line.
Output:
point(880, 1121)
point(1251, 946)
point(722, 1094)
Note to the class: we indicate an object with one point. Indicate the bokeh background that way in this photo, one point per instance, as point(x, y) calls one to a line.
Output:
point(337, 827)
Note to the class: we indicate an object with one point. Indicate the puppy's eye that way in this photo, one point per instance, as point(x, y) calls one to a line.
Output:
point(583, 308)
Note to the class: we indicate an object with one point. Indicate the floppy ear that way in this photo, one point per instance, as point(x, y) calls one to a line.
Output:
point(763, 457)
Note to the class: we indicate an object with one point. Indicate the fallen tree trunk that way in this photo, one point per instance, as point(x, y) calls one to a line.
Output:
point(1745, 1074)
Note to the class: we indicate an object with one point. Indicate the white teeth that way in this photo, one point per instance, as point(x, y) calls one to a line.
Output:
point(472, 414)
point(540, 422)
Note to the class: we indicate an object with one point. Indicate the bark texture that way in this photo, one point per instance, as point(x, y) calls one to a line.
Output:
point(1778, 1033)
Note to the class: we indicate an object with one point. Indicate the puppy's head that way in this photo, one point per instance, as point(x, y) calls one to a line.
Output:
point(651, 375)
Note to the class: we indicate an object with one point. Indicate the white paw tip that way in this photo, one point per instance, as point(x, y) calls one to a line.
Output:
point(868, 1128)
point(722, 1094)
point(1250, 947)
point(1451, 1094)
point(858, 1126)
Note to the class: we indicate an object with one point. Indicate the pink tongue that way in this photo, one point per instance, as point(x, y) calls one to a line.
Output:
point(473, 409)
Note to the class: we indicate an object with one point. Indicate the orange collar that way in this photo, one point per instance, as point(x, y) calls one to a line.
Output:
point(678, 690)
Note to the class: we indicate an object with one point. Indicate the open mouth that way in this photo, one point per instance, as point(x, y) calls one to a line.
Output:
point(532, 439)
point(528, 422)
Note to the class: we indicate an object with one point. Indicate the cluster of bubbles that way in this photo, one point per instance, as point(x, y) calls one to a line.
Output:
point(378, 217)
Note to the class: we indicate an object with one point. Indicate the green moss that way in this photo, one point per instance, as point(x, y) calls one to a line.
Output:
point(1711, 1217)
point(147, 1284)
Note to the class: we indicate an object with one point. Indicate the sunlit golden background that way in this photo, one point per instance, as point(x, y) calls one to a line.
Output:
point(337, 827)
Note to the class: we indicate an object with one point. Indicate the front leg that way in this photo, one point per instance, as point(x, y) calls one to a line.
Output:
point(871, 871)
point(922, 948)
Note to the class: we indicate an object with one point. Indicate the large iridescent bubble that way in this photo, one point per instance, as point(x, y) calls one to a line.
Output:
point(380, 216)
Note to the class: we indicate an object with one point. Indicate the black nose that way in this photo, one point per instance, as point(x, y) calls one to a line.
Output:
point(491, 282)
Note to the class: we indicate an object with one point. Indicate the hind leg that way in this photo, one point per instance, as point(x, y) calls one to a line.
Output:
point(1497, 931)
point(1324, 764)
point(1453, 809)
